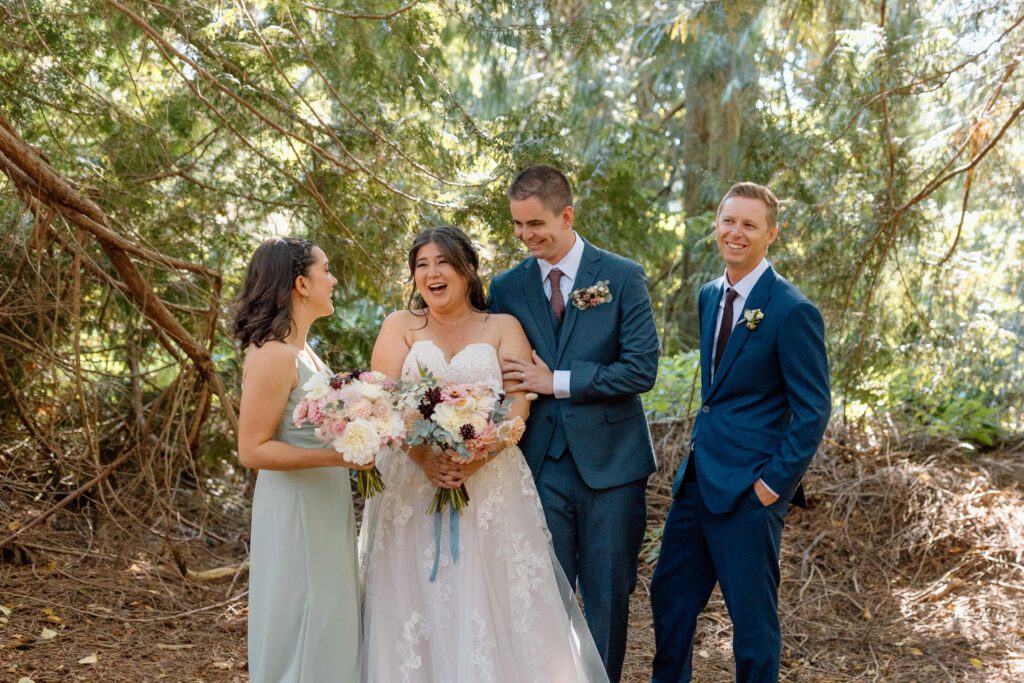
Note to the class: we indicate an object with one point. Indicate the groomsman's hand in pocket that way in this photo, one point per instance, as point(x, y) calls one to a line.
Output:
point(763, 494)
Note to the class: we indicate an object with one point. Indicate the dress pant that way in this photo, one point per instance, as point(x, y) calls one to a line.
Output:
point(597, 534)
point(740, 551)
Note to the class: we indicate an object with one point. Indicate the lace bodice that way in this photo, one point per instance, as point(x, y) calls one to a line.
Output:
point(475, 362)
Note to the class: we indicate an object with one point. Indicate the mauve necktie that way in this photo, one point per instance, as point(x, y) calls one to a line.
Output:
point(557, 302)
point(725, 329)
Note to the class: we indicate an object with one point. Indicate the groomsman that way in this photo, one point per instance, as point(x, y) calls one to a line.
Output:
point(765, 402)
point(588, 316)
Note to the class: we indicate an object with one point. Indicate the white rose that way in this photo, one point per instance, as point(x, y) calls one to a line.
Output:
point(368, 390)
point(485, 404)
point(450, 418)
point(479, 421)
point(360, 442)
point(317, 386)
point(392, 427)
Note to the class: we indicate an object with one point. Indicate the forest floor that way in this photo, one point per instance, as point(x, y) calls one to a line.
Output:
point(908, 566)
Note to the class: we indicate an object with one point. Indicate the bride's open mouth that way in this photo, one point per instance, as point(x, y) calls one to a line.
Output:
point(437, 288)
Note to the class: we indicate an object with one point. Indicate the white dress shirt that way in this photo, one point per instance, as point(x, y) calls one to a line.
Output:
point(742, 289)
point(570, 266)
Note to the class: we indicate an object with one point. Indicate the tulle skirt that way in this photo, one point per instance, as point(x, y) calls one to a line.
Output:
point(501, 611)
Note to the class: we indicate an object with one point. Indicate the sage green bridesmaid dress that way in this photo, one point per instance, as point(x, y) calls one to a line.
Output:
point(303, 576)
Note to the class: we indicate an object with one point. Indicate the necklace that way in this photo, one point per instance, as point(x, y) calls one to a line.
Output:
point(453, 323)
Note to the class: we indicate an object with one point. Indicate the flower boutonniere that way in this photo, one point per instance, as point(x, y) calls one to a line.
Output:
point(753, 316)
point(588, 297)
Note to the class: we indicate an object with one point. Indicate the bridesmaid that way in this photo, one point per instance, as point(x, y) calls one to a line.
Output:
point(303, 581)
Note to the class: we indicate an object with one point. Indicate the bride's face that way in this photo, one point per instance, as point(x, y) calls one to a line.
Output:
point(437, 281)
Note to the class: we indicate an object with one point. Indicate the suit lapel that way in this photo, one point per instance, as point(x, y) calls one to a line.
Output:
point(759, 297)
point(707, 335)
point(538, 304)
point(586, 276)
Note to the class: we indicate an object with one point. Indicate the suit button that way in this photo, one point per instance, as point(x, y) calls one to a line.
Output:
point(705, 409)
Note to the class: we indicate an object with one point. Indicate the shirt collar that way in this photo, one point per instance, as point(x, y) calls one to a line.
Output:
point(746, 285)
point(569, 265)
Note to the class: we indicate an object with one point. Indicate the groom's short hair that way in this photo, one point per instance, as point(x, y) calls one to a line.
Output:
point(754, 191)
point(546, 183)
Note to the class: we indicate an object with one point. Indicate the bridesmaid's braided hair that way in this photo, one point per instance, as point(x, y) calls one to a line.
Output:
point(458, 250)
point(263, 311)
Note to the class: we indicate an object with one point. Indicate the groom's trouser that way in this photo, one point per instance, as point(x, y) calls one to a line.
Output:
point(740, 551)
point(597, 535)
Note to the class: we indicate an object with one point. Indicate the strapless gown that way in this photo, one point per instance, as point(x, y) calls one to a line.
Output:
point(504, 610)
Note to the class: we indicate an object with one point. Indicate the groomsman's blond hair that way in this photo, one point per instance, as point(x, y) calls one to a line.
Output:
point(754, 191)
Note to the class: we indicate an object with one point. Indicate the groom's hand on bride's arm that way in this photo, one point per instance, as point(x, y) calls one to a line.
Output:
point(528, 376)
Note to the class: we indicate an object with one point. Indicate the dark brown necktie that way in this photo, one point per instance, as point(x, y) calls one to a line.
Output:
point(725, 329)
point(557, 302)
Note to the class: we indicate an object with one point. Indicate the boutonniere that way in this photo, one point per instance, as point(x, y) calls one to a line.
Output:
point(753, 316)
point(588, 297)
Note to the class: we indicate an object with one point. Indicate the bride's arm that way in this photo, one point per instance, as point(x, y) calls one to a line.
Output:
point(514, 344)
point(390, 349)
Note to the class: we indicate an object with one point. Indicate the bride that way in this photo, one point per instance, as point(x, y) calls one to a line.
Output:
point(503, 610)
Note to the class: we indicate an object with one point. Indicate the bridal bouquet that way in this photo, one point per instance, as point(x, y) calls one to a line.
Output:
point(469, 419)
point(357, 414)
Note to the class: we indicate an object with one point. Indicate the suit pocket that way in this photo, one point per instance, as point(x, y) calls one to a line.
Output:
point(753, 440)
point(623, 412)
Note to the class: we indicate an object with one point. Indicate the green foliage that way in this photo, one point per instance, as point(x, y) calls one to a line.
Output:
point(676, 393)
point(252, 119)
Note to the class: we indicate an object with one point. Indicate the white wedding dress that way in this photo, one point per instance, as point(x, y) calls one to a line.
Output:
point(503, 611)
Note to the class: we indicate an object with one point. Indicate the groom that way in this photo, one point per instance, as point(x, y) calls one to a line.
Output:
point(588, 317)
point(765, 402)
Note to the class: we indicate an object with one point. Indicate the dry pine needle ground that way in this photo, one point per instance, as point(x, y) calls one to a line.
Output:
point(907, 567)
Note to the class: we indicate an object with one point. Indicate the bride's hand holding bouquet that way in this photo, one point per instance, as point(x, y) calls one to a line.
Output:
point(467, 422)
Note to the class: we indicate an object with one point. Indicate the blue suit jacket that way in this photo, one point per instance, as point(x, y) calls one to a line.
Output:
point(764, 414)
point(612, 352)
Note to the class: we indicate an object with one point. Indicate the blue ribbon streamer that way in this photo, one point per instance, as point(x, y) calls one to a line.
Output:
point(453, 518)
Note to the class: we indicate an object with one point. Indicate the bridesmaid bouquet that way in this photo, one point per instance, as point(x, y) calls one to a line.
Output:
point(357, 414)
point(469, 419)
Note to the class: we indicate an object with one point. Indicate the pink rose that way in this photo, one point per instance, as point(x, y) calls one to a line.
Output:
point(299, 414)
point(314, 413)
point(361, 410)
point(337, 428)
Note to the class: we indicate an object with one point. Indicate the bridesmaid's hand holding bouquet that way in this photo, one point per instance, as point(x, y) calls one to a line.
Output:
point(356, 413)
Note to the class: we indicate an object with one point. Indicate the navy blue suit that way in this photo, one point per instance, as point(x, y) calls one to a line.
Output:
point(761, 416)
point(591, 453)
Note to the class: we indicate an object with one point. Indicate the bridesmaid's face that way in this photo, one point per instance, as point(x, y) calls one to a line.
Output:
point(437, 281)
point(318, 283)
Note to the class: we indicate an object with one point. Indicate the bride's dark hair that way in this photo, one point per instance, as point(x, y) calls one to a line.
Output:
point(263, 311)
point(456, 248)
